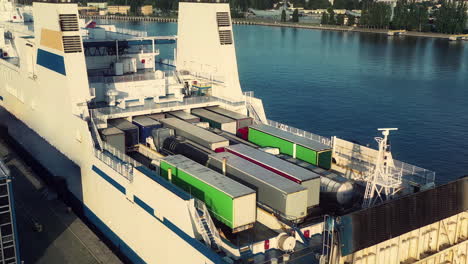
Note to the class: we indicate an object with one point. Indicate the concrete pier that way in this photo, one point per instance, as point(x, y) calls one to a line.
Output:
point(49, 232)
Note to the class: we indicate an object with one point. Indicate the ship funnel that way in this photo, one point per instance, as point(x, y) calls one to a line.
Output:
point(60, 53)
point(205, 46)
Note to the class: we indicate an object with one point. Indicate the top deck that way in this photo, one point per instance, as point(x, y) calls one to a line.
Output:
point(210, 177)
point(261, 174)
point(305, 142)
point(278, 164)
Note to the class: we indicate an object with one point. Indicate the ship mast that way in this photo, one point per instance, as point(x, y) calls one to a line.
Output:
point(384, 181)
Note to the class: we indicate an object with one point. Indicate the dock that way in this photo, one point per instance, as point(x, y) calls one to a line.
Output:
point(49, 232)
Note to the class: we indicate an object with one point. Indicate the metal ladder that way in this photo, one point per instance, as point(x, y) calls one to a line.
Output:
point(327, 239)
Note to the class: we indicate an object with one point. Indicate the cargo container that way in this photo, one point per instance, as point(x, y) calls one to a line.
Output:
point(282, 196)
point(160, 134)
point(157, 116)
point(145, 127)
point(233, 139)
point(228, 201)
point(183, 116)
point(191, 150)
point(335, 189)
point(130, 130)
point(302, 148)
point(114, 137)
point(216, 120)
point(306, 178)
point(241, 120)
point(195, 134)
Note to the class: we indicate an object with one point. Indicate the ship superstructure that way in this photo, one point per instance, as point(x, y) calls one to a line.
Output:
point(171, 160)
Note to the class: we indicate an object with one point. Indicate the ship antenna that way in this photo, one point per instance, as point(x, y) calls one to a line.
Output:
point(384, 181)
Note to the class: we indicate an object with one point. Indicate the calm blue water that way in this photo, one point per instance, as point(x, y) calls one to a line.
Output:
point(350, 84)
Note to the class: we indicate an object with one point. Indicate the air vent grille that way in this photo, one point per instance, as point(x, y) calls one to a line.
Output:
point(225, 37)
point(69, 22)
point(223, 19)
point(71, 44)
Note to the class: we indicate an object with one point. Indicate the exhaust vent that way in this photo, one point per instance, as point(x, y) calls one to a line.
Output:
point(69, 22)
point(225, 37)
point(223, 19)
point(71, 44)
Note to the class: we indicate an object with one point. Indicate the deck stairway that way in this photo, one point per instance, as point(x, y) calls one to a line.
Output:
point(204, 224)
point(94, 132)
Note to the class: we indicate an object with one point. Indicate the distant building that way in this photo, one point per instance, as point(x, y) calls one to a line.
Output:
point(88, 10)
point(320, 11)
point(113, 10)
point(98, 5)
point(8, 235)
point(146, 10)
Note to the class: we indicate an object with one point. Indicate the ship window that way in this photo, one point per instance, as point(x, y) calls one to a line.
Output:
point(68, 22)
point(225, 37)
point(71, 44)
point(223, 19)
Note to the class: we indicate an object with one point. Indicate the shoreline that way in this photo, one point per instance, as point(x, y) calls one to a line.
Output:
point(283, 24)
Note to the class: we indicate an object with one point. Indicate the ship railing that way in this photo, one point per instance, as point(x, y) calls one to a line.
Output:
point(94, 131)
point(362, 159)
point(132, 32)
point(17, 28)
point(299, 132)
point(168, 62)
point(105, 113)
point(414, 173)
point(251, 108)
point(199, 205)
point(117, 160)
point(124, 78)
point(200, 228)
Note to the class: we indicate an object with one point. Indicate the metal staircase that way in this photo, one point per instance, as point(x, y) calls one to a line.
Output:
point(251, 108)
point(205, 225)
point(94, 132)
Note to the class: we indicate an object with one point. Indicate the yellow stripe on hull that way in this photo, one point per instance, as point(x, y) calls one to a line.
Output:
point(52, 39)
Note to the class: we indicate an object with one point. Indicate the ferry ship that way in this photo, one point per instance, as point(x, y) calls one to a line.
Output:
point(173, 163)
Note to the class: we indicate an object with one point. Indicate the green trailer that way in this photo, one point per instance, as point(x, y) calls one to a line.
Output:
point(227, 200)
point(299, 147)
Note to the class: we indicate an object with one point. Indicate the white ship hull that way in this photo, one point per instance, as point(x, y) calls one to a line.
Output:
point(165, 237)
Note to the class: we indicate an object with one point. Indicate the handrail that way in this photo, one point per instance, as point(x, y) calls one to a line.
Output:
point(94, 130)
point(302, 133)
point(213, 229)
point(199, 224)
point(117, 160)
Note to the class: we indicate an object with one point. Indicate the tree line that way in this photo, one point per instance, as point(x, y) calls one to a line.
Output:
point(450, 17)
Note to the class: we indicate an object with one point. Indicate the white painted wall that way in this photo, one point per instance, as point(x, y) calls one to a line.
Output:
point(199, 48)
